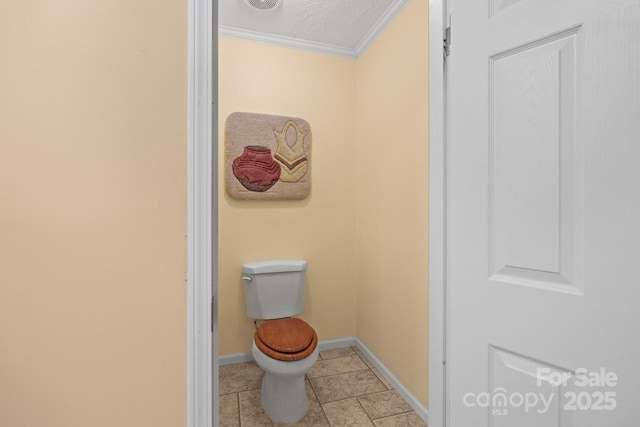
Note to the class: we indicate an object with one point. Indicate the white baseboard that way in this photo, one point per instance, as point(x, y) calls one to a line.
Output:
point(417, 406)
point(231, 359)
point(337, 343)
point(420, 409)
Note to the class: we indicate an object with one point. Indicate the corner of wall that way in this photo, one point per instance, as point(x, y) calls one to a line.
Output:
point(392, 198)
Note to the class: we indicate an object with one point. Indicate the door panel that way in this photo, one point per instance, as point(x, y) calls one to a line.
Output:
point(532, 185)
point(543, 196)
point(537, 406)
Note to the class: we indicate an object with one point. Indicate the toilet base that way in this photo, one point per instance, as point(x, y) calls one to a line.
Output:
point(284, 395)
point(284, 399)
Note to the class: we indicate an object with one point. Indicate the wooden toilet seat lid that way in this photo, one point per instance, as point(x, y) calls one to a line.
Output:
point(286, 339)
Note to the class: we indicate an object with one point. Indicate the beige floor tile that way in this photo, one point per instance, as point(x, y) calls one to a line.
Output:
point(366, 361)
point(381, 377)
point(384, 404)
point(229, 413)
point(252, 414)
point(351, 395)
point(364, 358)
point(343, 386)
point(410, 419)
point(337, 352)
point(346, 412)
point(240, 377)
point(323, 368)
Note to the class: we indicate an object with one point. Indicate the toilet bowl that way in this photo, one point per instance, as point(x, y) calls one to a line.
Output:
point(284, 349)
point(284, 346)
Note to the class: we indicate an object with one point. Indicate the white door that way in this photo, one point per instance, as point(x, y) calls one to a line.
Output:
point(543, 213)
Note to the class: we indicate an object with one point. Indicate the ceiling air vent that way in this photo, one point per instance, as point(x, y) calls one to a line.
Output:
point(264, 5)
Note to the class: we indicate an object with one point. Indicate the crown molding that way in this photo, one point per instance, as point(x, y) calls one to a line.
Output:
point(378, 28)
point(276, 40)
point(346, 52)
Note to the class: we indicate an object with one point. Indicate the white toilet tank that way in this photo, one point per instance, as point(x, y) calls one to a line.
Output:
point(274, 289)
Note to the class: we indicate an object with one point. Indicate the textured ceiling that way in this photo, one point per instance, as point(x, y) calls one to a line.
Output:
point(344, 24)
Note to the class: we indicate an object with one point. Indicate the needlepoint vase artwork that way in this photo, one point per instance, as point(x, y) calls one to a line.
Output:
point(267, 157)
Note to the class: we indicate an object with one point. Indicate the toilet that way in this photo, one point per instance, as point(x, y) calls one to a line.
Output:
point(285, 347)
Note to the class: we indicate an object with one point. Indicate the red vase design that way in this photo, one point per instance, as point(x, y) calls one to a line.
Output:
point(255, 168)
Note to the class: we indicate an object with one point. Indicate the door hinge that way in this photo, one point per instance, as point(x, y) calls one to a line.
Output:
point(212, 299)
point(447, 41)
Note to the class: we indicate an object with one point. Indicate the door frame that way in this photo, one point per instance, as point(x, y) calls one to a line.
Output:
point(202, 215)
point(437, 217)
point(202, 234)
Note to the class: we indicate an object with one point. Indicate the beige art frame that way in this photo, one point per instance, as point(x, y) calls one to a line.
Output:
point(267, 157)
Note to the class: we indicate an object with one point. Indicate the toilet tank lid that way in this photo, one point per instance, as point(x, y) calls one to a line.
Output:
point(277, 266)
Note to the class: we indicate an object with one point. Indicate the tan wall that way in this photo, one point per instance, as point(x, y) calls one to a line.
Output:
point(364, 227)
point(93, 213)
point(320, 229)
point(392, 198)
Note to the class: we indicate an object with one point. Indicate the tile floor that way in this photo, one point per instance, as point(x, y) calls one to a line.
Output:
point(343, 387)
